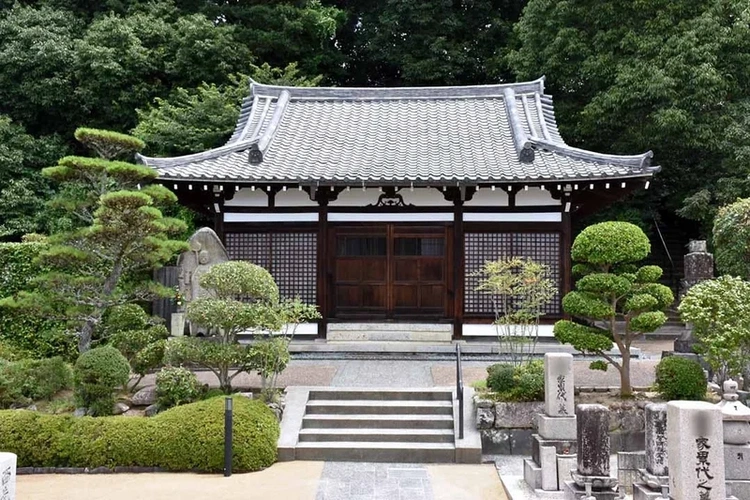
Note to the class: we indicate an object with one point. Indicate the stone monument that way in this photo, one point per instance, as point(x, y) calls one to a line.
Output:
point(736, 419)
point(553, 448)
point(206, 250)
point(695, 451)
point(591, 479)
point(8, 463)
point(699, 266)
point(654, 479)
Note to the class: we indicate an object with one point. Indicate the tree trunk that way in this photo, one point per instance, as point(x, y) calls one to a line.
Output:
point(87, 331)
point(625, 389)
point(84, 337)
point(225, 383)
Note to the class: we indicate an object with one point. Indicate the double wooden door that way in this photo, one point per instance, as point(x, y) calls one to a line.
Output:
point(389, 271)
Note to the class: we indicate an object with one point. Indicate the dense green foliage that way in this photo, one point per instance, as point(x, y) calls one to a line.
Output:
point(719, 312)
point(732, 239)
point(98, 373)
point(524, 382)
point(176, 386)
point(680, 378)
point(28, 380)
point(32, 334)
point(186, 438)
point(627, 300)
point(672, 76)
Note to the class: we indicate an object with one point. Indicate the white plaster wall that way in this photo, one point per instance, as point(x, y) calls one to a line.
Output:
point(424, 197)
point(293, 198)
point(355, 197)
point(486, 197)
point(245, 197)
point(535, 196)
point(475, 330)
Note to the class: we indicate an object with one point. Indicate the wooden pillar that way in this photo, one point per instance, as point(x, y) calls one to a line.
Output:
point(458, 269)
point(217, 209)
point(322, 264)
point(566, 242)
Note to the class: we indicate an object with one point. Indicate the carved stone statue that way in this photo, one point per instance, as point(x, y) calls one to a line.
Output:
point(206, 250)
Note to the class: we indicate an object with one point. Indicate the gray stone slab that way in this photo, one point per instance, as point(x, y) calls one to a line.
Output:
point(383, 374)
point(643, 492)
point(291, 422)
point(556, 428)
point(8, 465)
point(739, 489)
point(516, 415)
point(565, 464)
point(575, 492)
point(656, 439)
point(558, 384)
point(593, 440)
point(532, 474)
point(737, 462)
point(561, 447)
point(695, 449)
point(549, 468)
point(468, 449)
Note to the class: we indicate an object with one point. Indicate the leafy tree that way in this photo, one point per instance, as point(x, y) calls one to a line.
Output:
point(672, 76)
point(719, 311)
point(519, 288)
point(190, 121)
point(121, 233)
point(732, 239)
point(618, 300)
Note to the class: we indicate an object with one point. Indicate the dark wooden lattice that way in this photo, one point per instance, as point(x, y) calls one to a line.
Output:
point(482, 247)
point(289, 257)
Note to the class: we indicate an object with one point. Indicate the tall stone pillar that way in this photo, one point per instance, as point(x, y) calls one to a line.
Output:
point(695, 449)
point(553, 448)
point(8, 462)
point(591, 480)
point(654, 479)
point(699, 266)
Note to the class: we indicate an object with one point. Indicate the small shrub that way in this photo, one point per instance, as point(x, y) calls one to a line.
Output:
point(500, 377)
point(8, 351)
point(680, 378)
point(98, 373)
point(28, 380)
point(176, 386)
point(529, 382)
point(186, 438)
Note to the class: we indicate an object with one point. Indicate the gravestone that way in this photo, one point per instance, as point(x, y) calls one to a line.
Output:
point(699, 266)
point(8, 462)
point(736, 422)
point(591, 479)
point(553, 447)
point(695, 451)
point(654, 479)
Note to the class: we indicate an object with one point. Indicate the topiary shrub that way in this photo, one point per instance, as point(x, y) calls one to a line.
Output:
point(500, 377)
point(186, 438)
point(176, 386)
point(35, 379)
point(98, 373)
point(680, 378)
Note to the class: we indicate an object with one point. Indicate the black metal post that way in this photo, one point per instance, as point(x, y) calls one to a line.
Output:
point(227, 437)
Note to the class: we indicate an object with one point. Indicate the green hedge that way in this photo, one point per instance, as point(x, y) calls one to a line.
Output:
point(37, 336)
point(186, 438)
point(680, 378)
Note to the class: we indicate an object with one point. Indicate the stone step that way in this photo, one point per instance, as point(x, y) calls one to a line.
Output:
point(383, 435)
point(370, 407)
point(365, 451)
point(382, 395)
point(394, 332)
point(378, 421)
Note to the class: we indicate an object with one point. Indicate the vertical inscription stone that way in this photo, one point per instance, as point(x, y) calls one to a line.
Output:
point(558, 385)
point(656, 439)
point(695, 451)
point(593, 440)
point(8, 476)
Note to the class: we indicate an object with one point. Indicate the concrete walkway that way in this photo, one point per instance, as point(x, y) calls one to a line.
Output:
point(282, 481)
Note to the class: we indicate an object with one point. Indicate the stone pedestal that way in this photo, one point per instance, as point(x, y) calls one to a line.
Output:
point(178, 324)
point(695, 449)
point(8, 463)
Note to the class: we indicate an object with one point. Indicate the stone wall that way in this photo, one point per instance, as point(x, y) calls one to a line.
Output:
point(506, 428)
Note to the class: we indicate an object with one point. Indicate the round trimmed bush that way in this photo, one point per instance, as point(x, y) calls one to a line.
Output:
point(680, 378)
point(176, 386)
point(186, 438)
point(97, 374)
point(610, 243)
point(500, 377)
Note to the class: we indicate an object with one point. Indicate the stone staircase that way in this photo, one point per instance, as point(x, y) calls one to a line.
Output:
point(374, 425)
point(390, 332)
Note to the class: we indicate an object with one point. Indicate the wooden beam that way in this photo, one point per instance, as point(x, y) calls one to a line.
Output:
point(458, 269)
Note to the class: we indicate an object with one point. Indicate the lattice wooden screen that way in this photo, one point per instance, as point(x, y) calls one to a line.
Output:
point(482, 247)
point(289, 257)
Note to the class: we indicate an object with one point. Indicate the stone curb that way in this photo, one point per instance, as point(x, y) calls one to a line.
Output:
point(22, 471)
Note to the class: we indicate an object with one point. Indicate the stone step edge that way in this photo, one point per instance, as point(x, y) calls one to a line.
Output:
point(376, 416)
point(375, 445)
point(395, 403)
point(367, 431)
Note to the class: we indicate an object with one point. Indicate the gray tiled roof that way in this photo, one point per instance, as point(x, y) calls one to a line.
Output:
point(488, 133)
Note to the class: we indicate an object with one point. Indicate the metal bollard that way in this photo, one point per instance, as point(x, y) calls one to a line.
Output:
point(227, 437)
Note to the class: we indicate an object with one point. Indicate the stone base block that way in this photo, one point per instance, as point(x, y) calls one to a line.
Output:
point(556, 428)
point(739, 489)
point(549, 468)
point(561, 447)
point(532, 474)
point(575, 492)
point(8, 463)
point(737, 462)
point(565, 464)
point(643, 492)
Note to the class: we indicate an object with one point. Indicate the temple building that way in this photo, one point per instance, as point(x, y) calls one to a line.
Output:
point(379, 204)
